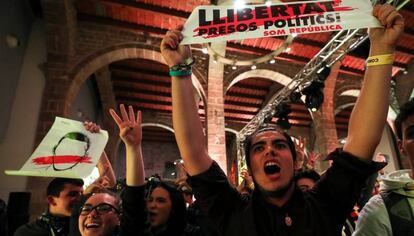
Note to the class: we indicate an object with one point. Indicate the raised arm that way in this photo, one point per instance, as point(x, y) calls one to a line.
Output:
point(186, 121)
point(130, 132)
point(104, 165)
point(105, 169)
point(369, 114)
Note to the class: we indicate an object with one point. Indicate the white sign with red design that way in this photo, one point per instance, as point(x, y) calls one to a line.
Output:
point(68, 150)
point(223, 23)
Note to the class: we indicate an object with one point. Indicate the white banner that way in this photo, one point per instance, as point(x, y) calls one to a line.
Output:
point(68, 150)
point(223, 23)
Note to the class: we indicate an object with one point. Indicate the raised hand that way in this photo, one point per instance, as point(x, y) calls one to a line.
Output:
point(393, 24)
point(99, 184)
point(172, 52)
point(300, 145)
point(91, 127)
point(248, 178)
point(129, 126)
point(312, 159)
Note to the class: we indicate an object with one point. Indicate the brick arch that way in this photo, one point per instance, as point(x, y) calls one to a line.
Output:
point(343, 107)
point(89, 65)
point(263, 73)
point(92, 63)
point(159, 125)
point(340, 90)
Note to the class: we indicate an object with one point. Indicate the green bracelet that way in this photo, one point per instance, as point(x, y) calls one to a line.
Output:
point(180, 73)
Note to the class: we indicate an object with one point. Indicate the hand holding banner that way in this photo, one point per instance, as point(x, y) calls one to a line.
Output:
point(223, 23)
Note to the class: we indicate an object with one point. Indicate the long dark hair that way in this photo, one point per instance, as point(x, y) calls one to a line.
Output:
point(177, 219)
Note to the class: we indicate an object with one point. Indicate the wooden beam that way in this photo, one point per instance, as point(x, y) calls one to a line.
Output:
point(150, 7)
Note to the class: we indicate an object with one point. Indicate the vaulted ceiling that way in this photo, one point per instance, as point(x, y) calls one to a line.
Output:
point(146, 83)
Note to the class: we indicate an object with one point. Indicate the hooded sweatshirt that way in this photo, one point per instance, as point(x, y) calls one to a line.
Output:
point(374, 219)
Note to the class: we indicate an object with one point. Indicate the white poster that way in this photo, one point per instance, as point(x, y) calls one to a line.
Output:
point(68, 150)
point(223, 23)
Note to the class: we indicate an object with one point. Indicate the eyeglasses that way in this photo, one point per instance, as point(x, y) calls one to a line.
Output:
point(101, 209)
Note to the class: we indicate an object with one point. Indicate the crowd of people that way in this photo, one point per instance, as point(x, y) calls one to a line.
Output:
point(281, 193)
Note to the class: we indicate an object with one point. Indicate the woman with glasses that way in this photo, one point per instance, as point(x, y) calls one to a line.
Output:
point(101, 214)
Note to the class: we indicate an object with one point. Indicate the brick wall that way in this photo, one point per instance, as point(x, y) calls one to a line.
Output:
point(155, 155)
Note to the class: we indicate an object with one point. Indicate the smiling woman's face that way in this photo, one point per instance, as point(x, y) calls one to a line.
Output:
point(99, 224)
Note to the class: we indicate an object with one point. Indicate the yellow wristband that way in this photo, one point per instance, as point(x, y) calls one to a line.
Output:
point(386, 59)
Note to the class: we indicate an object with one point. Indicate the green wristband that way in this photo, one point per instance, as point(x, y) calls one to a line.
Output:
point(180, 73)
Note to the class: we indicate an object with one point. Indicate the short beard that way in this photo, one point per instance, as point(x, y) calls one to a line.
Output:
point(278, 193)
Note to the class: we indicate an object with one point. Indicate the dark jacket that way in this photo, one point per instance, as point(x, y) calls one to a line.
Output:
point(320, 211)
point(45, 225)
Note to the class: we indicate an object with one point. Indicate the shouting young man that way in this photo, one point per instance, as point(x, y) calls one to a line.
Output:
point(277, 206)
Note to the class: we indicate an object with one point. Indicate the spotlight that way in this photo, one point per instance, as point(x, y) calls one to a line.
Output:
point(204, 50)
point(314, 95)
point(234, 67)
point(283, 122)
point(272, 61)
point(295, 96)
point(254, 67)
point(323, 73)
point(283, 110)
point(268, 119)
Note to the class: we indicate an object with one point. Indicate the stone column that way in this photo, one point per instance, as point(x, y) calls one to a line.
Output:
point(107, 97)
point(216, 139)
point(326, 138)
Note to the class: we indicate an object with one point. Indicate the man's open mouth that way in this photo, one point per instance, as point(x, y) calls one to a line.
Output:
point(271, 168)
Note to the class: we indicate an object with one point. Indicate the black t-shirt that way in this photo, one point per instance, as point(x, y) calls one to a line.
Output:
point(320, 211)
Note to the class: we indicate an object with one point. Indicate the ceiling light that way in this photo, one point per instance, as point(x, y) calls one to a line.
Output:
point(239, 4)
point(254, 67)
point(234, 67)
point(272, 61)
point(404, 71)
point(12, 41)
point(204, 50)
point(268, 3)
